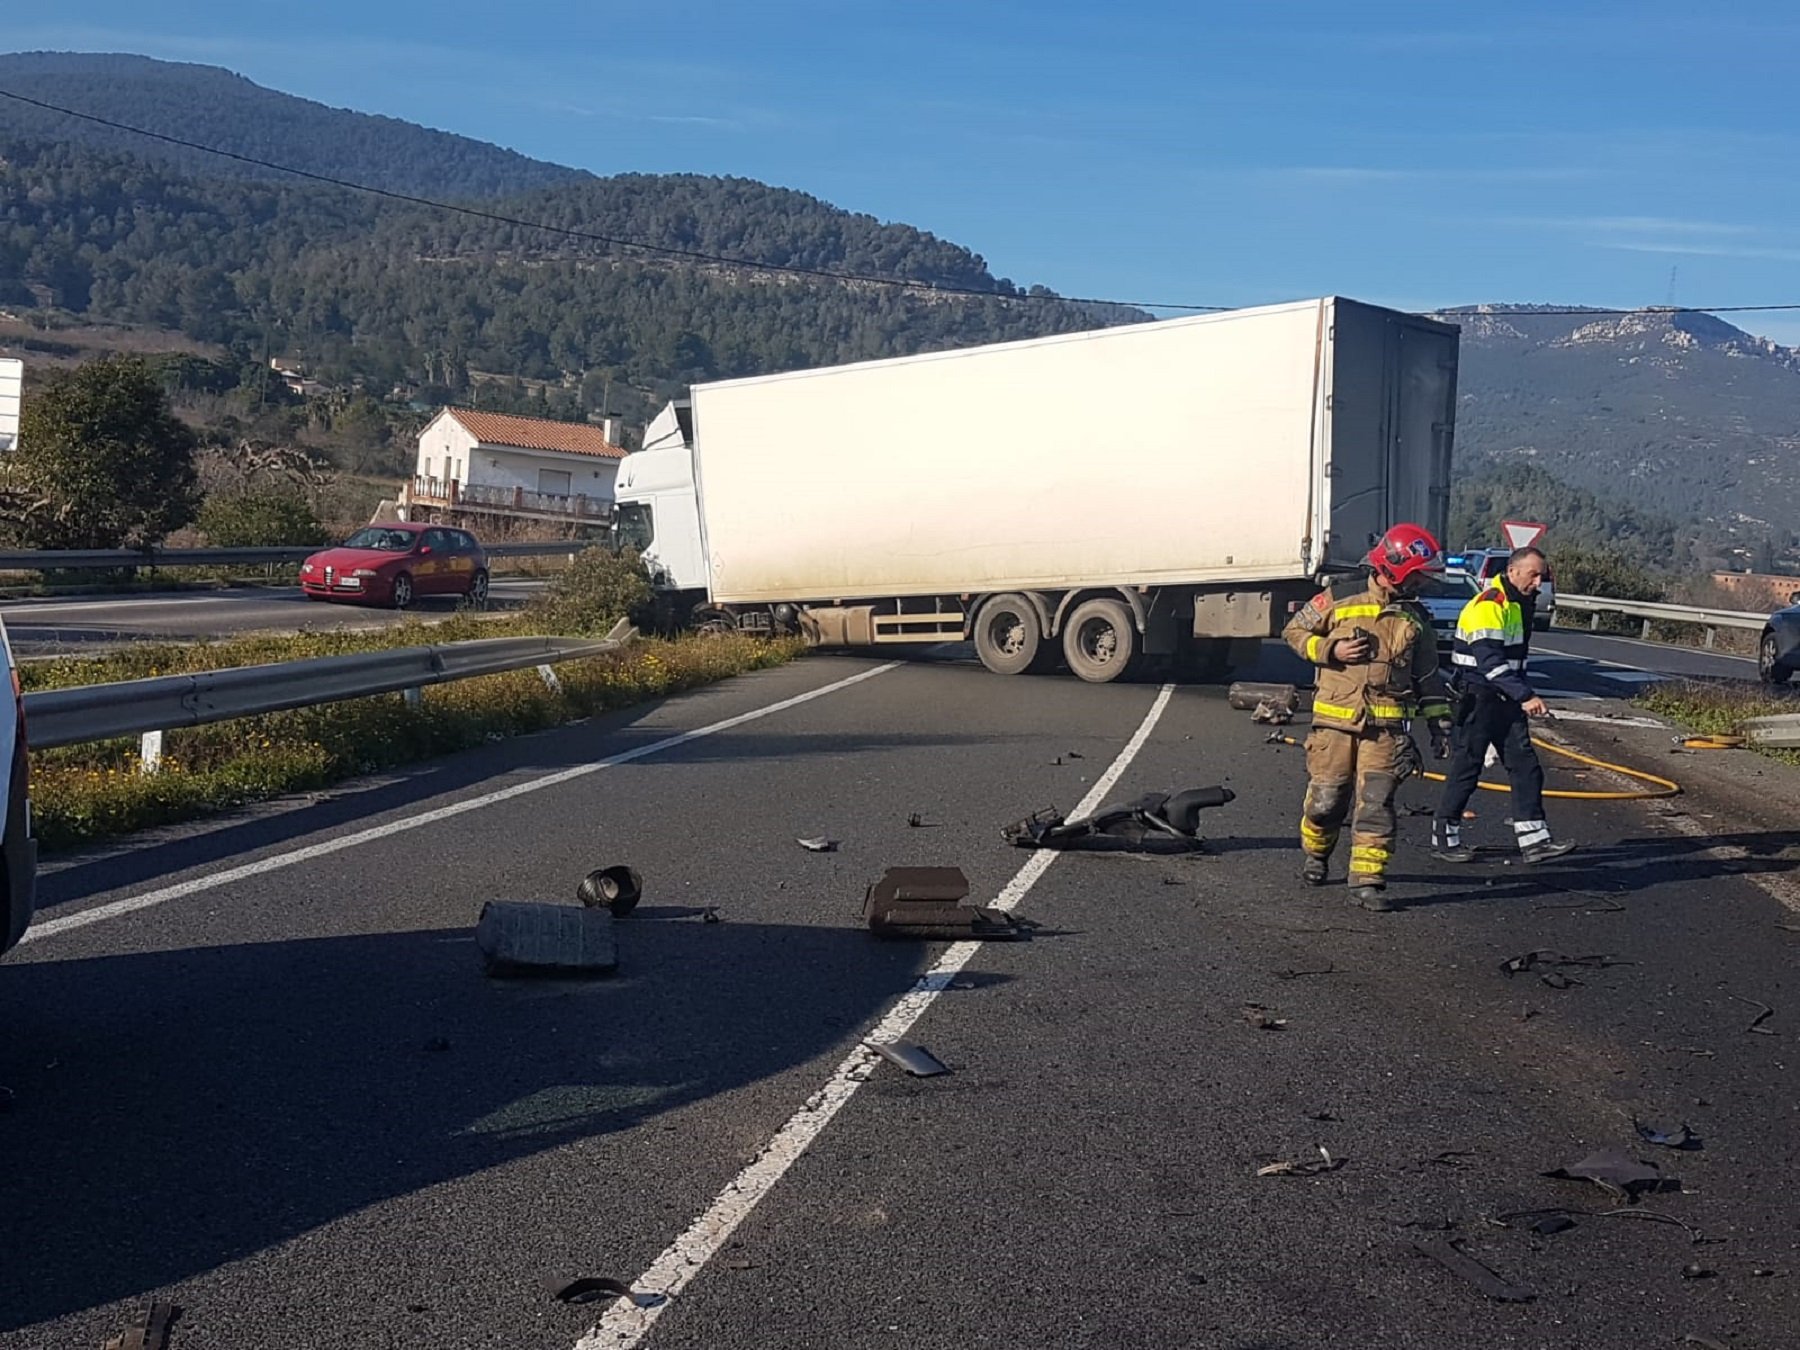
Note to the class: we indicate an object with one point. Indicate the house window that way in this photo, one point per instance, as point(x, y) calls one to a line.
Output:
point(553, 482)
point(428, 463)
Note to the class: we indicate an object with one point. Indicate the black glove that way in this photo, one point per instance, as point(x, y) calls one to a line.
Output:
point(1440, 743)
point(1407, 760)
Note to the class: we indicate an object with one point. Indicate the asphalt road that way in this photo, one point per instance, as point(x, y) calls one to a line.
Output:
point(49, 626)
point(256, 1069)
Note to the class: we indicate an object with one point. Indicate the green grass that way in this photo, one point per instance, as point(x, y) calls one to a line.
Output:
point(81, 793)
point(1716, 708)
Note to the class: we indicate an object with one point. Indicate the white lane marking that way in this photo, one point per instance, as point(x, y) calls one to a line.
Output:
point(51, 927)
point(628, 1321)
point(1648, 646)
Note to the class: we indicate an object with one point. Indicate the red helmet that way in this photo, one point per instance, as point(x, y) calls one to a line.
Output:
point(1404, 551)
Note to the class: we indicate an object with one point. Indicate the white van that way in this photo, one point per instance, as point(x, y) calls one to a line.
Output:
point(18, 847)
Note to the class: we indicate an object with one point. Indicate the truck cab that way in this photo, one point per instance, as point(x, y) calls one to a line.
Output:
point(657, 512)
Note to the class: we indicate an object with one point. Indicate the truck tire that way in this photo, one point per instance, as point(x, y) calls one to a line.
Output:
point(1008, 637)
point(1100, 641)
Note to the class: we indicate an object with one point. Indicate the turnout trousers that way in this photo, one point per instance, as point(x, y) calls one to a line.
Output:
point(1351, 775)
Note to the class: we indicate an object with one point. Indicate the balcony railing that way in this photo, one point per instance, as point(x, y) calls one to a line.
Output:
point(506, 501)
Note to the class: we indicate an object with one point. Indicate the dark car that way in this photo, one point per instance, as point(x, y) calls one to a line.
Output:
point(394, 564)
point(18, 849)
point(1443, 597)
point(1778, 653)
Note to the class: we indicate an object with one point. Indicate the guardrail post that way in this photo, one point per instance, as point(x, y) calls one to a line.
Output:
point(1645, 633)
point(1712, 636)
point(551, 683)
point(150, 752)
point(415, 697)
point(1594, 622)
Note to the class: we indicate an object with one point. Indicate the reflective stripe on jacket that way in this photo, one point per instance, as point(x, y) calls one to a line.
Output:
point(1400, 680)
point(1493, 641)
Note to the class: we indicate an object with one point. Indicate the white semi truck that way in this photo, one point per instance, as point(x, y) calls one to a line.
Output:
point(977, 495)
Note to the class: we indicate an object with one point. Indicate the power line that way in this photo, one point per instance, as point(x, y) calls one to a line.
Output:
point(793, 269)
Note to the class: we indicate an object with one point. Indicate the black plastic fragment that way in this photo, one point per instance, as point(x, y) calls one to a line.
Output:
point(1460, 1263)
point(915, 1059)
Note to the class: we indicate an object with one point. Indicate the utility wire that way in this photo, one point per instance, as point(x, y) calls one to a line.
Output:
point(793, 269)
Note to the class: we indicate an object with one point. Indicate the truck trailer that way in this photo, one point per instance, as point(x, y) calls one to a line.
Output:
point(977, 494)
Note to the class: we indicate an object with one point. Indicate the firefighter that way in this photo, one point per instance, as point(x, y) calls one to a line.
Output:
point(1378, 668)
point(1494, 705)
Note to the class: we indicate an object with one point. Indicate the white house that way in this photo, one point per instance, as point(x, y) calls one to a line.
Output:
point(496, 465)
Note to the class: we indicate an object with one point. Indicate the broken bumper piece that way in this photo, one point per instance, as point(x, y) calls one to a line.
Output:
point(1156, 815)
point(924, 902)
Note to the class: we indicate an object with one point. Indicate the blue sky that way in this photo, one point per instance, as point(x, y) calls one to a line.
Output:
point(1407, 153)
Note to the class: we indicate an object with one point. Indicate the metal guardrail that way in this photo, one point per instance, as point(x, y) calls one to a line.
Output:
point(93, 559)
point(1652, 611)
point(147, 708)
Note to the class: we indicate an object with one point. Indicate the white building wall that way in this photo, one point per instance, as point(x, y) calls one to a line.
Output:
point(445, 449)
point(588, 476)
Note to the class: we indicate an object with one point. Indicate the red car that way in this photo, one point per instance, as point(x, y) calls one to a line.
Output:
point(395, 564)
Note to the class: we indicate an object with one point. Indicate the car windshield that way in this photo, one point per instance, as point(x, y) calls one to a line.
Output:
point(635, 527)
point(382, 541)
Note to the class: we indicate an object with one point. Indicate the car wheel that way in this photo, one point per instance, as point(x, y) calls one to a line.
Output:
point(478, 590)
point(1768, 660)
point(403, 591)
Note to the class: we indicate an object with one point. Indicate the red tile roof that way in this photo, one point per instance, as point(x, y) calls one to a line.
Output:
point(536, 433)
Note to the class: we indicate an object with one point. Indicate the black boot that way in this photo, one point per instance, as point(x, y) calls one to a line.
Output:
point(1313, 870)
point(1373, 898)
point(1544, 852)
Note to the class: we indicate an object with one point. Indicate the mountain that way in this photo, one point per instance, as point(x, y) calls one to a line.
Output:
point(1679, 415)
point(210, 106)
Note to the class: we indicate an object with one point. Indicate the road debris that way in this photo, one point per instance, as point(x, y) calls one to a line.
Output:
point(1459, 1263)
point(586, 1289)
point(1555, 979)
point(818, 845)
point(1305, 1167)
point(1454, 1157)
point(917, 822)
point(1756, 1023)
point(1680, 1137)
point(545, 940)
point(1697, 1272)
point(1704, 1342)
point(1552, 1224)
point(924, 902)
point(148, 1328)
point(710, 914)
point(915, 1059)
point(1539, 1216)
point(1246, 696)
point(1289, 973)
point(1262, 1019)
point(1519, 965)
point(1155, 815)
point(1616, 1173)
point(617, 889)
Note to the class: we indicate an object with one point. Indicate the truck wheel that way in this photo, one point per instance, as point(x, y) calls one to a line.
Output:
point(1007, 636)
point(1100, 641)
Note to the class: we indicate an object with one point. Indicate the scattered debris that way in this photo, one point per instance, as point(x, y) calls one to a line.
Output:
point(611, 888)
point(1262, 1019)
point(740, 1263)
point(1173, 881)
point(1245, 696)
point(586, 1289)
point(923, 902)
point(1306, 1167)
point(710, 915)
point(1458, 1262)
point(1162, 815)
point(1762, 1272)
point(915, 1059)
point(1557, 980)
point(1704, 1342)
point(437, 1045)
point(1291, 974)
point(1538, 1216)
point(1614, 1172)
point(818, 845)
point(1680, 1137)
point(1697, 1272)
point(1282, 738)
point(1323, 1115)
point(1756, 1023)
point(1453, 1157)
point(553, 940)
point(1518, 965)
point(1552, 1224)
point(1789, 927)
point(148, 1328)
point(915, 821)
point(1075, 754)
point(1272, 713)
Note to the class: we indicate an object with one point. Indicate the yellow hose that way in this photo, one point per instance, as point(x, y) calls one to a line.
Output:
point(1665, 787)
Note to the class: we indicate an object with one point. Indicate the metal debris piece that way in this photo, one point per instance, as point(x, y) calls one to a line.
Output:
point(1651, 1215)
point(148, 1328)
point(915, 1059)
point(1262, 1019)
point(615, 888)
point(1612, 1171)
point(1697, 1272)
point(1272, 713)
point(1245, 695)
point(1305, 1167)
point(1555, 979)
point(553, 940)
point(1453, 1157)
point(1518, 965)
point(1756, 1023)
point(586, 1289)
point(1679, 1137)
point(1458, 1262)
point(1551, 1224)
point(916, 822)
point(1291, 974)
point(1160, 815)
point(818, 845)
point(1075, 754)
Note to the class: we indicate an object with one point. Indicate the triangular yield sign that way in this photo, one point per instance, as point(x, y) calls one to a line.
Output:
point(1522, 533)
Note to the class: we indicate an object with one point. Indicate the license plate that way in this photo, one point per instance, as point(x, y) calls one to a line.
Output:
point(350, 583)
